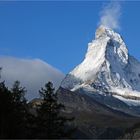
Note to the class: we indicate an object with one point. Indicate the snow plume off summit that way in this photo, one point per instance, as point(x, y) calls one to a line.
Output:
point(110, 15)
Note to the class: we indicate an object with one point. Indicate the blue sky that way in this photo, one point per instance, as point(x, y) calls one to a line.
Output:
point(58, 32)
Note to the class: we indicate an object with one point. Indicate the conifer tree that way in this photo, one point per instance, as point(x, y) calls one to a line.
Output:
point(6, 111)
point(13, 111)
point(50, 122)
point(19, 110)
point(18, 93)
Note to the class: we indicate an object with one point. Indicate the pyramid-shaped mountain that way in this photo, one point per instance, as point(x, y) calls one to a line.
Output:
point(108, 73)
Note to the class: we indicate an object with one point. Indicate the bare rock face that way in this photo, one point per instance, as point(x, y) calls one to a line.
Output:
point(92, 118)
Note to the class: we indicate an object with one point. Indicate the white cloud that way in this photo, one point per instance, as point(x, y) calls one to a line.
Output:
point(110, 15)
point(32, 73)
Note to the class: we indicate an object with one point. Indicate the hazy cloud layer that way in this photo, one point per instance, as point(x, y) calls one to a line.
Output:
point(110, 15)
point(32, 74)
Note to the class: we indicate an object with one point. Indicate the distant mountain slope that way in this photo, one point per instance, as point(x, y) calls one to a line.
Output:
point(32, 73)
point(94, 119)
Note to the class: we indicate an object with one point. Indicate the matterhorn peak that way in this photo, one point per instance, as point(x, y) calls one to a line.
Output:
point(107, 67)
point(113, 40)
point(101, 31)
point(104, 31)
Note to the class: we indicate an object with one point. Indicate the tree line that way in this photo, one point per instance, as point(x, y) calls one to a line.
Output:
point(17, 121)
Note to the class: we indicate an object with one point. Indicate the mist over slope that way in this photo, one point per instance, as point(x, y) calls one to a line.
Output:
point(32, 73)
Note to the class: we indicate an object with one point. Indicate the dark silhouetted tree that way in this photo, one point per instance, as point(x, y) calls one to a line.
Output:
point(20, 112)
point(50, 122)
point(13, 111)
point(6, 111)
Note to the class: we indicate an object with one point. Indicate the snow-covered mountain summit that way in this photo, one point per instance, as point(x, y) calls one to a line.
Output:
point(107, 69)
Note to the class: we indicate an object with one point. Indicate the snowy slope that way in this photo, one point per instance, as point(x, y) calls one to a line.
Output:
point(107, 68)
point(32, 73)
